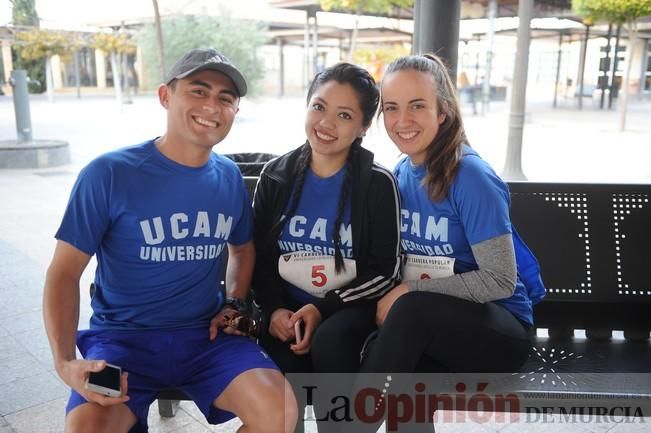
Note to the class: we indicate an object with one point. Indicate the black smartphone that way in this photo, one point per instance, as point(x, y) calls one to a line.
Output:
point(106, 382)
point(299, 330)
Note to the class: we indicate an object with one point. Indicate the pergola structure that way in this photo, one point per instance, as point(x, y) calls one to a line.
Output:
point(436, 23)
point(436, 29)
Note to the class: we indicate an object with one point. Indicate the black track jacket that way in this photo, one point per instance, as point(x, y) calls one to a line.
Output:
point(375, 223)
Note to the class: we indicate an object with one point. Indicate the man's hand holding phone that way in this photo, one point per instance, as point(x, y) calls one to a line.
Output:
point(106, 381)
point(96, 381)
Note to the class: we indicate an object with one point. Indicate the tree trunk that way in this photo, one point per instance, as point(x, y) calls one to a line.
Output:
point(632, 38)
point(159, 40)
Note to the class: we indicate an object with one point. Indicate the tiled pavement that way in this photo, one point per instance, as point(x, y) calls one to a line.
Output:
point(32, 398)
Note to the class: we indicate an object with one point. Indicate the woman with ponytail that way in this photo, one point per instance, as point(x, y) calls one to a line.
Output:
point(461, 305)
point(326, 231)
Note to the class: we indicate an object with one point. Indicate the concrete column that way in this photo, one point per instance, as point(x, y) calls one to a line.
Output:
point(7, 64)
point(415, 42)
point(140, 68)
point(56, 72)
point(513, 166)
point(558, 67)
point(437, 27)
point(280, 43)
point(100, 68)
point(638, 53)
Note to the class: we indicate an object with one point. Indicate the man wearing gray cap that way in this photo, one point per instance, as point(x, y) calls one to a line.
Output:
point(158, 216)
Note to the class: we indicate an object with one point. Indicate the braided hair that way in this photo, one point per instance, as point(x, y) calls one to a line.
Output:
point(369, 97)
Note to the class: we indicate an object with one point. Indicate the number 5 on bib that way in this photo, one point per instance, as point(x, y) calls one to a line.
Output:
point(315, 273)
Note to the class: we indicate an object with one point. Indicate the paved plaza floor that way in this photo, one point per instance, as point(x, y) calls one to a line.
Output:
point(562, 144)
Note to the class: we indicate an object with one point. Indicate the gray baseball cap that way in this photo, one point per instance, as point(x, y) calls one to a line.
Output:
point(206, 58)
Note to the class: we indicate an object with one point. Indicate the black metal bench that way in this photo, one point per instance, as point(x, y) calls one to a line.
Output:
point(593, 242)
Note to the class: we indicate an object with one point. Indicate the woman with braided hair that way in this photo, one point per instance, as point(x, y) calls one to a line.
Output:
point(326, 231)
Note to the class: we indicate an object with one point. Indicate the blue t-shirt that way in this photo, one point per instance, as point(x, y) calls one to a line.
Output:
point(311, 227)
point(476, 209)
point(158, 229)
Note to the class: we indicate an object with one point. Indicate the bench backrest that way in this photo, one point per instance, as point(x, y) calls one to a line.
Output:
point(593, 242)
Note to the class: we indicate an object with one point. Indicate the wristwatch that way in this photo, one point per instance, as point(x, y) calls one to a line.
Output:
point(235, 303)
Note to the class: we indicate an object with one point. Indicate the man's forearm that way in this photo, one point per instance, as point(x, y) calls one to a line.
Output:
point(61, 316)
point(241, 260)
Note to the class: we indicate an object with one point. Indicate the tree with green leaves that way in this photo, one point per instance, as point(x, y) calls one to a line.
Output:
point(361, 7)
point(24, 14)
point(625, 12)
point(37, 44)
point(237, 39)
point(375, 59)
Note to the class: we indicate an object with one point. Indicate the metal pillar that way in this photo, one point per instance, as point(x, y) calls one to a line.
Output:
point(558, 66)
point(513, 166)
point(605, 68)
point(100, 68)
point(280, 43)
point(584, 51)
point(306, 50)
point(77, 74)
point(613, 85)
point(125, 79)
point(475, 84)
point(437, 28)
point(21, 105)
point(315, 43)
point(486, 91)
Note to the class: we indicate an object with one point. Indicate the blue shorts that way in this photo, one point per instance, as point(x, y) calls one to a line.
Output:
point(185, 359)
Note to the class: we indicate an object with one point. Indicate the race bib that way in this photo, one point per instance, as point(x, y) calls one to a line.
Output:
point(314, 272)
point(427, 267)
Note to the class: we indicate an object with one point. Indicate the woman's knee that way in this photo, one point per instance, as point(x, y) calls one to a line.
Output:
point(407, 308)
point(414, 307)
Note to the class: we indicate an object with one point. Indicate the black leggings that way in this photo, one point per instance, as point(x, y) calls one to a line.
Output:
point(429, 332)
point(432, 333)
point(336, 347)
